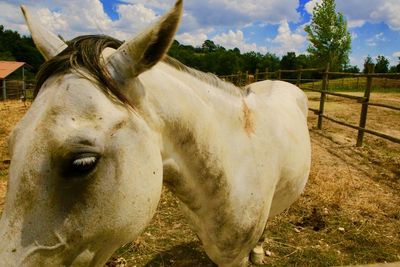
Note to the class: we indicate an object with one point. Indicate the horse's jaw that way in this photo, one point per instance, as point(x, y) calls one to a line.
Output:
point(13, 253)
point(58, 252)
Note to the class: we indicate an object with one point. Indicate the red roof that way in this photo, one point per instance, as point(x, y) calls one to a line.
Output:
point(8, 67)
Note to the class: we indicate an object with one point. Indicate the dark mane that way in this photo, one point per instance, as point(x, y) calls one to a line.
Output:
point(83, 52)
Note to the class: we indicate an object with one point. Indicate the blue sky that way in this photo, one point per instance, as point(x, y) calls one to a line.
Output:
point(275, 26)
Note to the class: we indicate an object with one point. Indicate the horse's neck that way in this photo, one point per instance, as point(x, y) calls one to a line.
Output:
point(201, 131)
point(194, 119)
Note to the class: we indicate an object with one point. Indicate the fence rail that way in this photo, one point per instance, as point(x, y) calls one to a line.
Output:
point(16, 89)
point(391, 80)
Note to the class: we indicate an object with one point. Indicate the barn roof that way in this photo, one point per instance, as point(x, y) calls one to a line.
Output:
point(8, 67)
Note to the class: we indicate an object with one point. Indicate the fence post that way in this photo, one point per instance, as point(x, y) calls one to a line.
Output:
point(358, 83)
point(279, 75)
point(266, 73)
point(23, 82)
point(239, 79)
point(246, 79)
point(364, 109)
point(299, 76)
point(256, 76)
point(324, 88)
point(4, 90)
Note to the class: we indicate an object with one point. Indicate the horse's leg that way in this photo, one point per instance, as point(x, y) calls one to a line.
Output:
point(257, 254)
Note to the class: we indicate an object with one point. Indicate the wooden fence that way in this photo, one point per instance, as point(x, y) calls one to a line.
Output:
point(16, 89)
point(322, 86)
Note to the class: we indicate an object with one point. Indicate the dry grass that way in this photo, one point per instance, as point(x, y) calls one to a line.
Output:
point(10, 114)
point(348, 214)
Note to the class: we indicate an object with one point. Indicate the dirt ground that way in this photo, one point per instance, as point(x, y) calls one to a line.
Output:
point(348, 214)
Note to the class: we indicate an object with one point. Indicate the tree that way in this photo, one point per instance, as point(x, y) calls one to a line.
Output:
point(251, 61)
point(209, 46)
point(395, 68)
point(270, 61)
point(398, 66)
point(289, 61)
point(351, 69)
point(367, 62)
point(330, 40)
point(382, 64)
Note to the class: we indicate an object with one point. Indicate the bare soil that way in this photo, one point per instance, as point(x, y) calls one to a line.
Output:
point(348, 214)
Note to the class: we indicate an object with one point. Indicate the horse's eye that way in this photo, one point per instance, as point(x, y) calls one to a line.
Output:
point(81, 164)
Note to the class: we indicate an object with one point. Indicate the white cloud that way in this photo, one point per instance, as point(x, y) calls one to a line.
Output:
point(194, 39)
point(135, 14)
point(388, 11)
point(354, 36)
point(67, 18)
point(396, 54)
point(287, 40)
point(377, 38)
point(132, 19)
point(154, 4)
point(311, 4)
point(234, 39)
point(77, 17)
point(11, 18)
point(233, 13)
point(357, 23)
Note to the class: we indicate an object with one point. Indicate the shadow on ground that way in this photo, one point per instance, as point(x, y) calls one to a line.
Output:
point(184, 255)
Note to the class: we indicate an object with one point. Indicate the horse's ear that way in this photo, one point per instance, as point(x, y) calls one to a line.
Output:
point(145, 50)
point(46, 42)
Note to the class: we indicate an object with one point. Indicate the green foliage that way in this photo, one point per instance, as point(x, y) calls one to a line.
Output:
point(6, 56)
point(289, 61)
point(216, 59)
point(15, 47)
point(351, 69)
point(328, 35)
point(396, 68)
point(382, 64)
point(367, 62)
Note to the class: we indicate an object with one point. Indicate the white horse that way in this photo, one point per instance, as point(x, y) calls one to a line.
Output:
point(111, 122)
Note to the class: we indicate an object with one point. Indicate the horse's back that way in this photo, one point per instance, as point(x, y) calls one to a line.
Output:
point(282, 90)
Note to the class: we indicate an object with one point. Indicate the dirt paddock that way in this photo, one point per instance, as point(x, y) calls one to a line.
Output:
point(348, 214)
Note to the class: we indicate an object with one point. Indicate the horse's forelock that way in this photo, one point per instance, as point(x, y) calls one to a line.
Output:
point(83, 52)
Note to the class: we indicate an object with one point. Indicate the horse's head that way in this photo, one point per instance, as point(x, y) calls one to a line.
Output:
point(86, 169)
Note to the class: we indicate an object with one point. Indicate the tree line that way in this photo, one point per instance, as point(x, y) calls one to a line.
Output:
point(209, 57)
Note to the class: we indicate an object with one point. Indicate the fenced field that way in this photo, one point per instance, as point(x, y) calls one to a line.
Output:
point(348, 214)
point(328, 83)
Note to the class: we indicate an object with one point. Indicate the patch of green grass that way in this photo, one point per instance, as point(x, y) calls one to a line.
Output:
point(380, 85)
